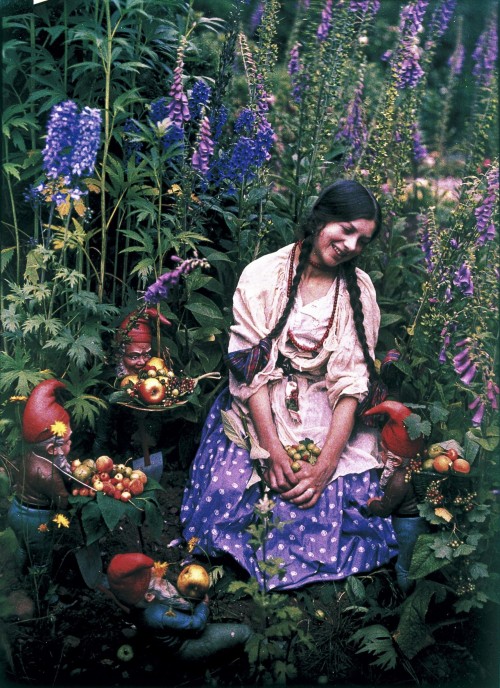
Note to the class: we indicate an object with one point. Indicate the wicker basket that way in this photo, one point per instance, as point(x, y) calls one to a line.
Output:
point(450, 484)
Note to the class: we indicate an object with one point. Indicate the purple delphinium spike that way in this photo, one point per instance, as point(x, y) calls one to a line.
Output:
point(86, 145)
point(406, 60)
point(485, 55)
point(326, 22)
point(442, 17)
point(256, 17)
point(202, 155)
point(426, 245)
point(158, 110)
point(61, 134)
point(200, 95)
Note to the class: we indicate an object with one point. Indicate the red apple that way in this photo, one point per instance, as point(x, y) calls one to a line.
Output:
point(98, 485)
point(151, 391)
point(125, 496)
point(139, 475)
point(104, 464)
point(117, 494)
point(104, 477)
point(108, 488)
point(136, 486)
point(118, 477)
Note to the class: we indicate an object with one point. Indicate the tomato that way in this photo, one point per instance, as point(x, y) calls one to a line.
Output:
point(452, 454)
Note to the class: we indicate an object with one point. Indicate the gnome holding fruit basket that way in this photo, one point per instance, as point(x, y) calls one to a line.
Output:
point(43, 482)
point(399, 499)
point(174, 618)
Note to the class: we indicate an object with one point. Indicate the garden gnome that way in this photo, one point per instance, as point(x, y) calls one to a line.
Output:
point(42, 486)
point(399, 500)
point(135, 338)
point(159, 611)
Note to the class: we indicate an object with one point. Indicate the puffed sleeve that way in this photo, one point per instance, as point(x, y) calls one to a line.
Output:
point(160, 617)
point(347, 372)
point(258, 301)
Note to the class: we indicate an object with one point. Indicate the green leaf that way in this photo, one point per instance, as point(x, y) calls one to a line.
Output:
point(204, 310)
point(387, 319)
point(231, 431)
point(416, 426)
point(377, 641)
point(425, 560)
point(412, 634)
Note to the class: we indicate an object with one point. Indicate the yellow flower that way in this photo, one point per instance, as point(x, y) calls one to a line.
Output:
point(159, 569)
point(192, 544)
point(43, 528)
point(59, 429)
point(175, 189)
point(15, 399)
point(61, 520)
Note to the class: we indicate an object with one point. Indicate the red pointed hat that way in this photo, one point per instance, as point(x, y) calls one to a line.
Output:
point(140, 330)
point(394, 434)
point(129, 576)
point(42, 410)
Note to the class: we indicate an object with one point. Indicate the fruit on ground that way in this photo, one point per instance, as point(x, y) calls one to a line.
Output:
point(151, 390)
point(193, 581)
point(136, 486)
point(129, 380)
point(461, 466)
point(139, 475)
point(104, 464)
point(441, 463)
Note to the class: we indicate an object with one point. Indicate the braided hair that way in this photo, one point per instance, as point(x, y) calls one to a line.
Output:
point(342, 201)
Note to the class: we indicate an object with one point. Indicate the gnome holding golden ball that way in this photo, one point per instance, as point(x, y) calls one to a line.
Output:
point(399, 500)
point(175, 618)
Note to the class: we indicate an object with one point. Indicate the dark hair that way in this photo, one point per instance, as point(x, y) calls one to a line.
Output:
point(342, 201)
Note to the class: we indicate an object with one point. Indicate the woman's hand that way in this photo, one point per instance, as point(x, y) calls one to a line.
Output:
point(279, 475)
point(312, 481)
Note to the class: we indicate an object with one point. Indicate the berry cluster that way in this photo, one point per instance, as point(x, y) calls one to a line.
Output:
point(306, 450)
point(433, 494)
point(465, 585)
point(466, 501)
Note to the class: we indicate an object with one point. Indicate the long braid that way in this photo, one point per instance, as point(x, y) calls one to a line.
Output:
point(305, 252)
point(357, 309)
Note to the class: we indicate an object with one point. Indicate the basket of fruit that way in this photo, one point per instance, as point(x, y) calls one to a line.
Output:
point(156, 388)
point(103, 492)
point(442, 467)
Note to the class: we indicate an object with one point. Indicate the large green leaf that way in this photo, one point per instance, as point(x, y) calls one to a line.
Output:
point(424, 560)
point(412, 633)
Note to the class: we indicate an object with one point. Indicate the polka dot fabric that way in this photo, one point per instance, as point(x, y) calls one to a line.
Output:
point(330, 541)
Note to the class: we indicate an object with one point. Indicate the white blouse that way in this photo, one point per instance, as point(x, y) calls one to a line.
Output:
point(337, 370)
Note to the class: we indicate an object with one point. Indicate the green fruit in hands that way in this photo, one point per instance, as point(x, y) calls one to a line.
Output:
point(296, 466)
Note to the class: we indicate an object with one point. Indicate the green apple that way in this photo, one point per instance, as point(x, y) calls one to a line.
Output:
point(434, 450)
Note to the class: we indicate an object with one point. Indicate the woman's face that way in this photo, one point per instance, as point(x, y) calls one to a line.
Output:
point(339, 242)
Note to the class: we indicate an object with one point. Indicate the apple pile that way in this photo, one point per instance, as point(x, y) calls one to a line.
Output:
point(306, 450)
point(443, 459)
point(102, 475)
point(156, 385)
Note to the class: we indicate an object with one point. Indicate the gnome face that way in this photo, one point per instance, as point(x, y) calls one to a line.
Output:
point(135, 356)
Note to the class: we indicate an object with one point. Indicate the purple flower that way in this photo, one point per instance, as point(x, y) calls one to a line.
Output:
point(454, 244)
point(326, 22)
point(173, 141)
point(245, 122)
point(295, 72)
point(419, 150)
point(442, 17)
point(463, 280)
point(201, 156)
point(406, 61)
point(178, 108)
point(484, 211)
point(426, 245)
point(218, 121)
point(485, 55)
point(72, 142)
point(158, 110)
point(479, 405)
point(456, 61)
point(161, 288)
point(365, 6)
point(256, 17)
point(353, 129)
point(200, 95)
point(442, 355)
point(469, 374)
point(492, 392)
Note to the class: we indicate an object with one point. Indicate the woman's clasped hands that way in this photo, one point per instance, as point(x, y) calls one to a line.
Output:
point(303, 488)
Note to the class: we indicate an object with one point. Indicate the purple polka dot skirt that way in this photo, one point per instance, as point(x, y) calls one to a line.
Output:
point(330, 541)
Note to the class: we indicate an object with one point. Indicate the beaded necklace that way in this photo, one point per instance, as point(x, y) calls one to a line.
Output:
point(291, 336)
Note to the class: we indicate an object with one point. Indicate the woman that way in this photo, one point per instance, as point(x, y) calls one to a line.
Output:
point(301, 359)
